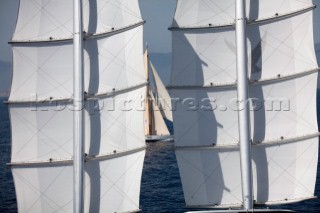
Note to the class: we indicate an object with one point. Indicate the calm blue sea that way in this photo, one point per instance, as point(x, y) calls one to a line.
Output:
point(161, 189)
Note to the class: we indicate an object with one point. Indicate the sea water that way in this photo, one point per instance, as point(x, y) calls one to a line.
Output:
point(161, 189)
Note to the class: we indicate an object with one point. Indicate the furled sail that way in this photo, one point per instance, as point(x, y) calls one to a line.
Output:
point(283, 81)
point(41, 105)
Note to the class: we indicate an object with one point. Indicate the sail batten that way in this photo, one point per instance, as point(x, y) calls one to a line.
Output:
point(86, 35)
point(254, 144)
point(252, 82)
point(276, 17)
point(54, 162)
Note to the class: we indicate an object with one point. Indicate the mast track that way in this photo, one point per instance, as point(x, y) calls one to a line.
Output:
point(87, 36)
point(232, 85)
point(66, 162)
point(276, 17)
point(266, 143)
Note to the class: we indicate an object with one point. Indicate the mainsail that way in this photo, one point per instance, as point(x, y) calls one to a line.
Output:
point(41, 105)
point(282, 70)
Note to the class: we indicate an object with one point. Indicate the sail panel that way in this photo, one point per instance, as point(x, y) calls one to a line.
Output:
point(115, 124)
point(44, 71)
point(205, 117)
point(114, 62)
point(284, 109)
point(110, 186)
point(274, 107)
point(35, 128)
point(41, 71)
point(285, 172)
point(281, 47)
point(112, 124)
point(278, 48)
point(201, 57)
point(44, 189)
point(105, 15)
point(114, 185)
point(205, 13)
point(45, 20)
point(281, 172)
point(210, 178)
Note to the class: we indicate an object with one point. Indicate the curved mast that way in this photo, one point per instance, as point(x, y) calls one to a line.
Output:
point(243, 110)
point(78, 103)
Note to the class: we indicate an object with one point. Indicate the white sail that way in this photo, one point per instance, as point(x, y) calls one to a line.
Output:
point(41, 105)
point(162, 96)
point(159, 127)
point(283, 83)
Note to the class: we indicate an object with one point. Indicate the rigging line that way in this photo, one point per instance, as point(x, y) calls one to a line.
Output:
point(38, 130)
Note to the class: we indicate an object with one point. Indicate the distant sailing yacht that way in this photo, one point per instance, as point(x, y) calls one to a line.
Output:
point(76, 147)
point(245, 74)
point(156, 109)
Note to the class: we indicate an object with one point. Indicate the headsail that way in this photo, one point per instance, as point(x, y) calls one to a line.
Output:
point(162, 96)
point(159, 127)
point(41, 108)
point(283, 82)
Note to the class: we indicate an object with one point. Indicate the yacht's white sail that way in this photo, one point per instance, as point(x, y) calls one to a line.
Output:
point(159, 126)
point(162, 96)
point(156, 109)
point(41, 105)
point(283, 71)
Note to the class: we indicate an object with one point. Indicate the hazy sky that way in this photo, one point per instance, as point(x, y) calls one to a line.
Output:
point(157, 13)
